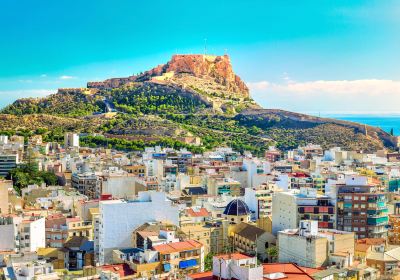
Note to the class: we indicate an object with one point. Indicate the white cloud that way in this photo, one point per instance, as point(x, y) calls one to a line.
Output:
point(338, 95)
point(66, 77)
point(43, 76)
point(262, 85)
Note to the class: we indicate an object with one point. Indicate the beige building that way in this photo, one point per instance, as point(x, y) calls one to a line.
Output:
point(210, 235)
point(309, 247)
point(4, 201)
point(250, 239)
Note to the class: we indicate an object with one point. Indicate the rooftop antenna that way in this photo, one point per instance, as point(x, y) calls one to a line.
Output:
point(226, 51)
point(205, 46)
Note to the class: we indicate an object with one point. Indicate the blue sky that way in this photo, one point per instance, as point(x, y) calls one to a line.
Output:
point(307, 56)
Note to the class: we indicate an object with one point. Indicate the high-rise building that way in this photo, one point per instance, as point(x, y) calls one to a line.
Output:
point(361, 207)
point(7, 162)
point(289, 208)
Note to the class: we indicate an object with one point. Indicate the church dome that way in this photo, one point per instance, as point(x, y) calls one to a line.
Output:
point(237, 207)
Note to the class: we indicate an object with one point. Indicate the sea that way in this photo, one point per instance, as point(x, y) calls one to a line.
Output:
point(386, 122)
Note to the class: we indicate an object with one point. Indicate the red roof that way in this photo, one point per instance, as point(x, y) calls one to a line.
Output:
point(290, 270)
point(201, 276)
point(178, 246)
point(201, 213)
point(74, 219)
point(371, 241)
point(122, 269)
point(233, 256)
point(298, 175)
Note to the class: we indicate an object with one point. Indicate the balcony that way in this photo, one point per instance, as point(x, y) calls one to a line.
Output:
point(188, 264)
point(378, 221)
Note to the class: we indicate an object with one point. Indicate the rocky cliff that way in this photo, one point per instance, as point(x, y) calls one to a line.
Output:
point(207, 73)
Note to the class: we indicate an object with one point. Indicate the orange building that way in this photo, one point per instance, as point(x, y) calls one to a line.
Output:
point(394, 229)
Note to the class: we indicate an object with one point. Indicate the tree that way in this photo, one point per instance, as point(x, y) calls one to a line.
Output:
point(391, 131)
point(208, 262)
point(272, 253)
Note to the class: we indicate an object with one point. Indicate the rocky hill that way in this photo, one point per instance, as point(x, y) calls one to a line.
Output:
point(190, 97)
point(212, 69)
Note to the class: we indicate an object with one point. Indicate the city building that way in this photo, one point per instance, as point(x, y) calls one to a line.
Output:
point(184, 257)
point(361, 207)
point(4, 200)
point(237, 212)
point(289, 208)
point(118, 219)
point(87, 183)
point(71, 140)
point(7, 162)
point(259, 199)
point(309, 247)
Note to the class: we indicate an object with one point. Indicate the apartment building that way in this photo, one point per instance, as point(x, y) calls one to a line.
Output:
point(289, 208)
point(4, 200)
point(118, 219)
point(32, 234)
point(308, 246)
point(184, 257)
point(361, 207)
point(8, 161)
point(259, 199)
point(87, 183)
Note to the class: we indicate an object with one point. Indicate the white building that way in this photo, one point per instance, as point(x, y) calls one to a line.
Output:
point(288, 208)
point(71, 140)
point(32, 234)
point(9, 232)
point(118, 183)
point(259, 199)
point(237, 266)
point(118, 218)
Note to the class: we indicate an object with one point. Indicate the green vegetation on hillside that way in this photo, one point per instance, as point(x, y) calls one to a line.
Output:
point(69, 104)
point(134, 145)
point(154, 99)
point(166, 112)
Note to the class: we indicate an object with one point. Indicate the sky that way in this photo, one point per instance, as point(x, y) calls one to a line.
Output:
point(305, 56)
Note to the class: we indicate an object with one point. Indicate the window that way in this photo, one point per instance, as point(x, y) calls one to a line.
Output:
point(363, 198)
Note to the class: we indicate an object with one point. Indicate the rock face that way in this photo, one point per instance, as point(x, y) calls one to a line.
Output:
point(217, 69)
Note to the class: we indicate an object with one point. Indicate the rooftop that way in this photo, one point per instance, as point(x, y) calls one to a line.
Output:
point(286, 271)
point(178, 247)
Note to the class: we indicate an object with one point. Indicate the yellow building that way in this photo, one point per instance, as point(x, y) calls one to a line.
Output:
point(210, 235)
point(77, 227)
point(136, 169)
point(184, 257)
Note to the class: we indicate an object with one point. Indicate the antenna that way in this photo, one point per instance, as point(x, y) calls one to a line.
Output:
point(205, 46)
